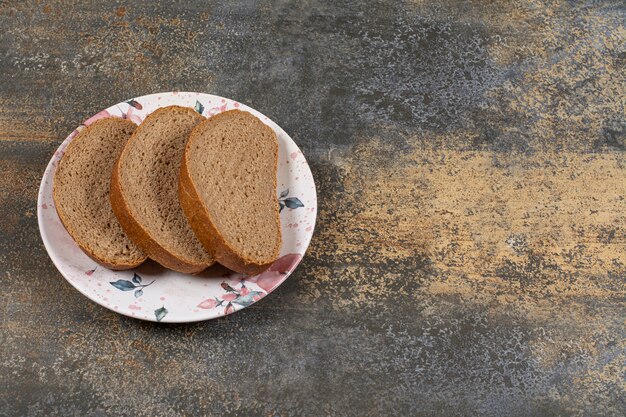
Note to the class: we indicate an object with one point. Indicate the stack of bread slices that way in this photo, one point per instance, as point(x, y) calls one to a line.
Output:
point(181, 189)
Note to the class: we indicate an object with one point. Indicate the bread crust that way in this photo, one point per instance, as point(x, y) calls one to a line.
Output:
point(203, 225)
point(135, 231)
point(108, 263)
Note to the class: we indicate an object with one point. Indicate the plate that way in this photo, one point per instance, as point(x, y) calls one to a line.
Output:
point(151, 292)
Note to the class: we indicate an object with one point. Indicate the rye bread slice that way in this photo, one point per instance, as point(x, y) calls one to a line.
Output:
point(144, 190)
point(228, 190)
point(81, 194)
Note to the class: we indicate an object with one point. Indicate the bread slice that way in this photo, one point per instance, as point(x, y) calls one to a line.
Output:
point(228, 190)
point(144, 190)
point(81, 194)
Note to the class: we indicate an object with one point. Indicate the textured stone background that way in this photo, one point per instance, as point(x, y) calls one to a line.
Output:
point(470, 254)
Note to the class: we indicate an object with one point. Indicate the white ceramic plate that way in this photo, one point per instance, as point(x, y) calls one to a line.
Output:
point(151, 292)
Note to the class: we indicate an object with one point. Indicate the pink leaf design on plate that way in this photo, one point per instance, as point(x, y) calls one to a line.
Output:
point(229, 297)
point(208, 304)
point(229, 309)
point(276, 272)
point(72, 135)
point(269, 279)
point(132, 117)
point(244, 291)
point(286, 264)
point(282, 265)
point(102, 115)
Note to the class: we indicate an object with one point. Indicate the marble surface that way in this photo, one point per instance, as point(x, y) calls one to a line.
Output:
point(470, 250)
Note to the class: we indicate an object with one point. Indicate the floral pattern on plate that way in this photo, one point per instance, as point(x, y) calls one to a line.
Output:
point(151, 292)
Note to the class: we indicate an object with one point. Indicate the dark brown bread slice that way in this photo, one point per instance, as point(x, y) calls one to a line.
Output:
point(228, 190)
point(81, 194)
point(144, 190)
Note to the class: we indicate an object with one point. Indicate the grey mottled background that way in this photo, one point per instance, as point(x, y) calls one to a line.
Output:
point(470, 253)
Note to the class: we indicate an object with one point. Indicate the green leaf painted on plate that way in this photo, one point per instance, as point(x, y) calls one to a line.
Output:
point(136, 279)
point(293, 202)
point(246, 300)
point(159, 313)
point(199, 107)
point(123, 285)
point(138, 293)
